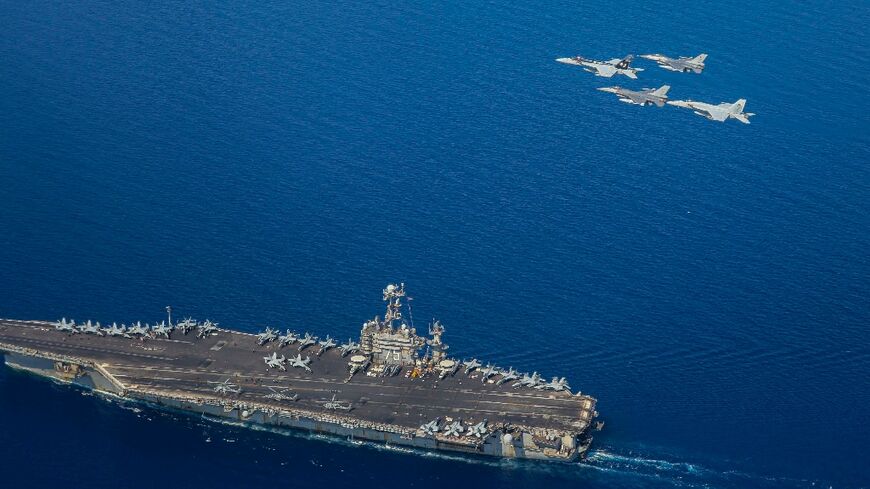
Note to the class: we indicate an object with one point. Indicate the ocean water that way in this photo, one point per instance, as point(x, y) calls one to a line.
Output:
point(277, 163)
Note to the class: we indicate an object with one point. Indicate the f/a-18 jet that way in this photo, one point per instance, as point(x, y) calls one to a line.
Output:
point(470, 365)
point(528, 380)
point(683, 64)
point(507, 376)
point(115, 330)
point(307, 341)
point(266, 336)
point(455, 428)
point(325, 345)
point(206, 329)
point(69, 327)
point(646, 96)
point(605, 69)
point(138, 329)
point(287, 339)
point(162, 329)
point(349, 347)
point(186, 326)
point(299, 362)
point(478, 430)
point(557, 384)
point(274, 361)
point(488, 372)
point(719, 113)
point(91, 328)
point(430, 428)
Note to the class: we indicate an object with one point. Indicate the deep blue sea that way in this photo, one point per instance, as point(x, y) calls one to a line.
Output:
point(278, 163)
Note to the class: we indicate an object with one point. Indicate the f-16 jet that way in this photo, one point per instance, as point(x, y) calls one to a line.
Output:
point(719, 113)
point(684, 64)
point(307, 341)
point(507, 376)
point(186, 326)
point(162, 329)
point(470, 365)
point(430, 428)
point(299, 362)
point(455, 429)
point(206, 329)
point(488, 372)
point(478, 430)
point(138, 329)
point(325, 345)
point(287, 339)
point(606, 69)
point(115, 330)
point(227, 388)
point(349, 347)
point(69, 327)
point(275, 362)
point(266, 336)
point(91, 328)
point(646, 96)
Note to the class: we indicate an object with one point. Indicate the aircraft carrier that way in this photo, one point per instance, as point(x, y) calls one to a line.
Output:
point(391, 386)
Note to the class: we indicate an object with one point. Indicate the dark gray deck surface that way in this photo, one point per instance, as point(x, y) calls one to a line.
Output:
point(190, 365)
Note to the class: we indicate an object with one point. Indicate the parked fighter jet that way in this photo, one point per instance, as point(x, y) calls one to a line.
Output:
point(478, 430)
point(455, 429)
point(470, 365)
point(138, 329)
point(162, 329)
point(91, 328)
point(683, 63)
point(325, 345)
point(307, 341)
point(646, 96)
point(227, 388)
point(299, 362)
point(186, 326)
point(349, 347)
point(507, 376)
point(528, 380)
point(557, 384)
point(206, 329)
point(337, 405)
point(606, 69)
point(266, 336)
point(719, 113)
point(275, 362)
point(69, 327)
point(431, 427)
point(287, 339)
point(116, 330)
point(488, 372)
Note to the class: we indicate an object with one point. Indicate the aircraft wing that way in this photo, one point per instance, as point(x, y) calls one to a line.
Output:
point(604, 70)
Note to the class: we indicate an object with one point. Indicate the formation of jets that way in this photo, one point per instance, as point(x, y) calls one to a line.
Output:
point(658, 96)
point(533, 381)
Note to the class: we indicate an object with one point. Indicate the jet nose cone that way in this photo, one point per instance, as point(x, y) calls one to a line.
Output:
point(564, 60)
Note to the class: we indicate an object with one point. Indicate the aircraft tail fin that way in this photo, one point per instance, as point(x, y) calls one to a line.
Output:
point(625, 62)
point(662, 91)
point(700, 58)
point(737, 107)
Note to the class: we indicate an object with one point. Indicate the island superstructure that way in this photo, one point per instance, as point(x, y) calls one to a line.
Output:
point(392, 386)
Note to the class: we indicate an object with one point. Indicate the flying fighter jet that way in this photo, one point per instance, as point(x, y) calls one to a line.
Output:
point(162, 329)
point(557, 384)
point(455, 429)
point(287, 339)
point(719, 113)
point(349, 347)
point(275, 362)
point(186, 326)
point(325, 345)
point(478, 430)
point(646, 96)
point(299, 362)
point(606, 69)
point(266, 336)
point(470, 365)
point(138, 329)
point(227, 388)
point(206, 329)
point(528, 380)
point(507, 376)
point(488, 372)
point(307, 341)
point(431, 427)
point(91, 328)
point(683, 63)
point(69, 327)
point(116, 330)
